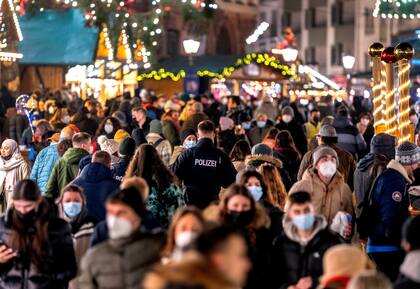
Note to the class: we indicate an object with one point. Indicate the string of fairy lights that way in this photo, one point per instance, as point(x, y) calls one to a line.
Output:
point(397, 9)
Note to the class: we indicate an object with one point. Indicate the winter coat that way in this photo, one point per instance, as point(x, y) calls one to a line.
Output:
point(177, 151)
point(311, 130)
point(170, 132)
point(390, 207)
point(163, 203)
point(409, 272)
point(11, 172)
point(298, 134)
point(328, 199)
point(17, 124)
point(226, 140)
point(293, 259)
point(204, 169)
point(59, 253)
point(363, 177)
point(259, 240)
point(118, 170)
point(346, 164)
point(290, 160)
point(193, 271)
point(254, 161)
point(64, 171)
point(349, 137)
point(163, 148)
point(256, 134)
point(98, 184)
point(120, 263)
point(193, 121)
point(43, 166)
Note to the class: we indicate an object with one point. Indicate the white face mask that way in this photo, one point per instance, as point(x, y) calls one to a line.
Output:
point(185, 239)
point(118, 227)
point(365, 121)
point(287, 118)
point(328, 169)
point(108, 128)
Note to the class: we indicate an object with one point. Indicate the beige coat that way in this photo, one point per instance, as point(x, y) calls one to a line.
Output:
point(327, 199)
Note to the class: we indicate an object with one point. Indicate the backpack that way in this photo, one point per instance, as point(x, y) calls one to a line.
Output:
point(157, 143)
point(369, 213)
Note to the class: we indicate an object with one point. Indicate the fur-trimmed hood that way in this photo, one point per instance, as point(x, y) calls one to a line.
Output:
point(393, 164)
point(257, 160)
point(213, 214)
point(193, 270)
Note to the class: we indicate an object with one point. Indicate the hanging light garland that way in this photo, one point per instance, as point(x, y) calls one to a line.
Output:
point(397, 9)
point(375, 51)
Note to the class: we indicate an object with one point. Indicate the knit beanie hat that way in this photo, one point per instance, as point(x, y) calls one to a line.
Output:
point(344, 261)
point(108, 145)
point(327, 131)
point(130, 197)
point(261, 149)
point(323, 151)
point(288, 110)
point(383, 144)
point(226, 123)
point(186, 133)
point(155, 126)
point(127, 147)
point(120, 135)
point(407, 154)
point(138, 136)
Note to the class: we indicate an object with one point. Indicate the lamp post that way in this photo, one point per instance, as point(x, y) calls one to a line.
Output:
point(191, 47)
point(348, 64)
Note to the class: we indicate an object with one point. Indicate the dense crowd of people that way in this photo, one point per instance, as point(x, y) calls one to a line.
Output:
point(193, 192)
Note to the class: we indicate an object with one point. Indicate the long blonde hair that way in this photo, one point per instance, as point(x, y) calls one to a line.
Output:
point(276, 190)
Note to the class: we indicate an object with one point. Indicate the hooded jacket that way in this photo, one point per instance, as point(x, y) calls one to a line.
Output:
point(349, 137)
point(64, 171)
point(293, 258)
point(163, 148)
point(390, 201)
point(119, 169)
point(43, 166)
point(409, 272)
point(328, 199)
point(98, 184)
point(120, 263)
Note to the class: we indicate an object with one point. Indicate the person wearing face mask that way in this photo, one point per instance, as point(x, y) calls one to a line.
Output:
point(72, 209)
point(326, 185)
point(13, 168)
point(289, 123)
point(389, 209)
point(298, 251)
point(60, 118)
point(66, 169)
point(122, 261)
point(366, 129)
point(313, 125)
point(37, 249)
point(108, 127)
point(187, 223)
point(238, 209)
point(188, 140)
point(260, 127)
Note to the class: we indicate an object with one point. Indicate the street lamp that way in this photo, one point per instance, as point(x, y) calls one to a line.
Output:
point(191, 47)
point(348, 63)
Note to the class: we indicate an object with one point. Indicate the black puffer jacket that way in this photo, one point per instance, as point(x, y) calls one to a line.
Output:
point(61, 266)
point(292, 260)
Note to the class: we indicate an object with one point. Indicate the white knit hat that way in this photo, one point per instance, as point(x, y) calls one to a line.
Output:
point(109, 145)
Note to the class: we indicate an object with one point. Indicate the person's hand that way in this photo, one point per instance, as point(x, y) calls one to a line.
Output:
point(304, 283)
point(347, 231)
point(6, 254)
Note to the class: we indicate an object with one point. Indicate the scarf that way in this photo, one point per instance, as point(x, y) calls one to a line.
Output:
point(8, 172)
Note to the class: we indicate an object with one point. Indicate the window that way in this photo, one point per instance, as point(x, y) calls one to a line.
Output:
point(369, 21)
point(287, 19)
point(173, 42)
point(310, 18)
point(336, 54)
point(310, 55)
point(273, 23)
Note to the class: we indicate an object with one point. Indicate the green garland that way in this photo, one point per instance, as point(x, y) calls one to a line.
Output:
point(397, 9)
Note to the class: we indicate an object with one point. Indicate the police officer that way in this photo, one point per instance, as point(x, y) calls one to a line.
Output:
point(204, 168)
point(390, 202)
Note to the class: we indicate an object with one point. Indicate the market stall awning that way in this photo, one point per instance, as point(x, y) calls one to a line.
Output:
point(56, 37)
point(214, 66)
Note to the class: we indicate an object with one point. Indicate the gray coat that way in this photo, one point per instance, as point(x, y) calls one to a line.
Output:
point(119, 264)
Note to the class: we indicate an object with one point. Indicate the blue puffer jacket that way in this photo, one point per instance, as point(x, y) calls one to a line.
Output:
point(44, 165)
point(391, 202)
point(98, 184)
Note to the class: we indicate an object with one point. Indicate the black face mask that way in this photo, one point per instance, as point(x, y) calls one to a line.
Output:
point(316, 119)
point(27, 219)
point(239, 219)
